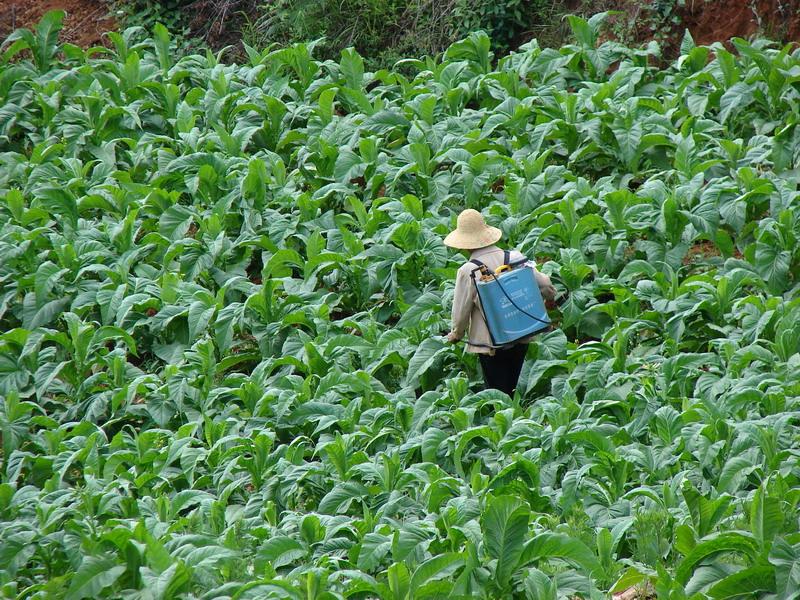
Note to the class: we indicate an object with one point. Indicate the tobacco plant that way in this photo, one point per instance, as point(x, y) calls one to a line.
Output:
point(223, 290)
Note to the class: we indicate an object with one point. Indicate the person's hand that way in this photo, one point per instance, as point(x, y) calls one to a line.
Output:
point(452, 337)
point(556, 302)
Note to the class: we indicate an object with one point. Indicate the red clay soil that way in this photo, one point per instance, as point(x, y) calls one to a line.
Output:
point(712, 21)
point(84, 24)
point(707, 20)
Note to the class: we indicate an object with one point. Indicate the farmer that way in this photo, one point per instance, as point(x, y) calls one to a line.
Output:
point(501, 367)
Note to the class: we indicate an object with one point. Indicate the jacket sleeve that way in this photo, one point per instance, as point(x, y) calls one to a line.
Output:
point(463, 302)
point(545, 285)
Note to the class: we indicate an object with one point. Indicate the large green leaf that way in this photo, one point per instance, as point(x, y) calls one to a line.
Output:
point(94, 575)
point(505, 527)
point(747, 581)
point(340, 497)
point(175, 221)
point(786, 559)
point(281, 551)
point(374, 547)
point(434, 568)
point(424, 358)
point(773, 265)
point(352, 66)
point(545, 546)
point(729, 541)
point(766, 517)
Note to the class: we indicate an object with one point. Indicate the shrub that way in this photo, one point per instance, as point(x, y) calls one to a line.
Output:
point(506, 21)
point(387, 30)
point(146, 12)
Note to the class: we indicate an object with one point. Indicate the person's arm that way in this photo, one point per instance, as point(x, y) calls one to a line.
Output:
point(545, 285)
point(463, 300)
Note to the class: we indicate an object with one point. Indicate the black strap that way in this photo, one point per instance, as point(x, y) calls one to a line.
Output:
point(506, 259)
point(479, 266)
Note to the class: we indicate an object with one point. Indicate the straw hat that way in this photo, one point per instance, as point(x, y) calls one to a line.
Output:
point(472, 232)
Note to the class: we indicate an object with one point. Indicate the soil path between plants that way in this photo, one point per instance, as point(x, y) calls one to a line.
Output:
point(84, 24)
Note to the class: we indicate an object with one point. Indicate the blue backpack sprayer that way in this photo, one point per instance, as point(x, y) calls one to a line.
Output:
point(510, 301)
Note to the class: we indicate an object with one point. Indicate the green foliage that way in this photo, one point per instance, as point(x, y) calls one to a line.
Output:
point(506, 21)
point(366, 25)
point(222, 289)
point(385, 32)
point(175, 15)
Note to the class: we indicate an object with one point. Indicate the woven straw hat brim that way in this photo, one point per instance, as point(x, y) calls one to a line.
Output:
point(471, 241)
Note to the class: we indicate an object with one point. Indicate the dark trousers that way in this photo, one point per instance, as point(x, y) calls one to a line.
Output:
point(501, 371)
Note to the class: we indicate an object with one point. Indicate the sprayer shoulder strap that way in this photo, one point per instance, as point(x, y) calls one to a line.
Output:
point(479, 265)
point(506, 260)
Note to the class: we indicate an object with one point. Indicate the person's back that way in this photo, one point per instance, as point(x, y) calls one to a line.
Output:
point(501, 366)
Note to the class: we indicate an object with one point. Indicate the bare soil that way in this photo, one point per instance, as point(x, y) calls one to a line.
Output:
point(711, 21)
point(701, 251)
point(707, 20)
point(645, 592)
point(84, 24)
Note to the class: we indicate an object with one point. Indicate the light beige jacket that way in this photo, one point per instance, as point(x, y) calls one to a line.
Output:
point(467, 318)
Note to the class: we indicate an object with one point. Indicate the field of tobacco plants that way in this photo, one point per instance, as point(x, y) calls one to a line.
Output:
point(223, 289)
